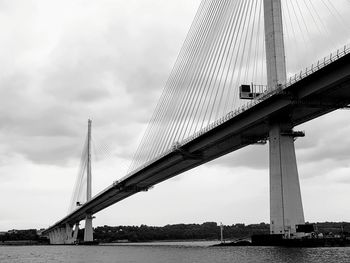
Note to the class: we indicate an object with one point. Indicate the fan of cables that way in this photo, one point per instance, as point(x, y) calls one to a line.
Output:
point(225, 48)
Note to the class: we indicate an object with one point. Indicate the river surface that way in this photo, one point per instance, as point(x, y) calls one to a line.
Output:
point(166, 252)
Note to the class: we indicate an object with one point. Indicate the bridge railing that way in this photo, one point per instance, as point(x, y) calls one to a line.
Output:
point(318, 65)
point(267, 94)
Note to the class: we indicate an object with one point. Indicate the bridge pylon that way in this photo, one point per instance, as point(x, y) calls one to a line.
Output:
point(286, 210)
point(64, 233)
point(88, 231)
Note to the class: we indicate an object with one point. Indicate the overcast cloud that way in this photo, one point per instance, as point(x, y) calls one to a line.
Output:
point(65, 61)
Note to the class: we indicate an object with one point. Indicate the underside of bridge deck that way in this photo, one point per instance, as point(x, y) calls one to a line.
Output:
point(325, 90)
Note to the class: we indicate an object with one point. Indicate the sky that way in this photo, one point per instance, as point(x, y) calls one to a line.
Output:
point(62, 62)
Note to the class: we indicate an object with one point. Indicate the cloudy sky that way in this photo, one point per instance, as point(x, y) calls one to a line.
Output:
point(62, 62)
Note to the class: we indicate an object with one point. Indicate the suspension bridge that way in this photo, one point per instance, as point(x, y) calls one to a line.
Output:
point(228, 89)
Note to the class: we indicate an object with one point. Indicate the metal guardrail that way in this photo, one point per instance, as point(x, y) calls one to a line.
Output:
point(267, 94)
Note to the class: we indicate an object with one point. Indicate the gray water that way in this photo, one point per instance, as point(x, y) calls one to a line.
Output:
point(187, 252)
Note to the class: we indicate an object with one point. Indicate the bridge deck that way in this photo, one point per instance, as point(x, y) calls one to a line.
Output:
point(317, 94)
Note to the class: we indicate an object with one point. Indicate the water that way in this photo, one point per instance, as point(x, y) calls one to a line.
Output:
point(187, 252)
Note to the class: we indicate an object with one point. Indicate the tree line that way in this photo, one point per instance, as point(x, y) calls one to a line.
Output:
point(205, 231)
point(16, 235)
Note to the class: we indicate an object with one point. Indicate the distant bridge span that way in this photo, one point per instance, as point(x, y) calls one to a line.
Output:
point(323, 89)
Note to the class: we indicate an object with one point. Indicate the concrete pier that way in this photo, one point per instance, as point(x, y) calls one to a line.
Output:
point(286, 210)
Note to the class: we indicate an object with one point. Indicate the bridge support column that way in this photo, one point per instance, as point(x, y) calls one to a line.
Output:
point(76, 231)
point(88, 232)
point(286, 210)
point(57, 236)
point(70, 237)
point(51, 237)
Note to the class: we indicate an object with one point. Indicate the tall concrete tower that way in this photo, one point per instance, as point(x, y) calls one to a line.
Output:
point(286, 210)
point(88, 232)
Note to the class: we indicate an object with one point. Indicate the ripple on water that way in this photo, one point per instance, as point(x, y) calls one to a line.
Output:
point(171, 253)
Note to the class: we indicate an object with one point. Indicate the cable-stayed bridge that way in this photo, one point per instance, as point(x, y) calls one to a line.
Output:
point(229, 88)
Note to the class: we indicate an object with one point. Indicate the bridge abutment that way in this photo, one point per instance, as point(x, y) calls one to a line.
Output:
point(63, 235)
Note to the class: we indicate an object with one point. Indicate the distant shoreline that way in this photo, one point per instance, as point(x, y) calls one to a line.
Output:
point(21, 243)
point(36, 243)
point(157, 242)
